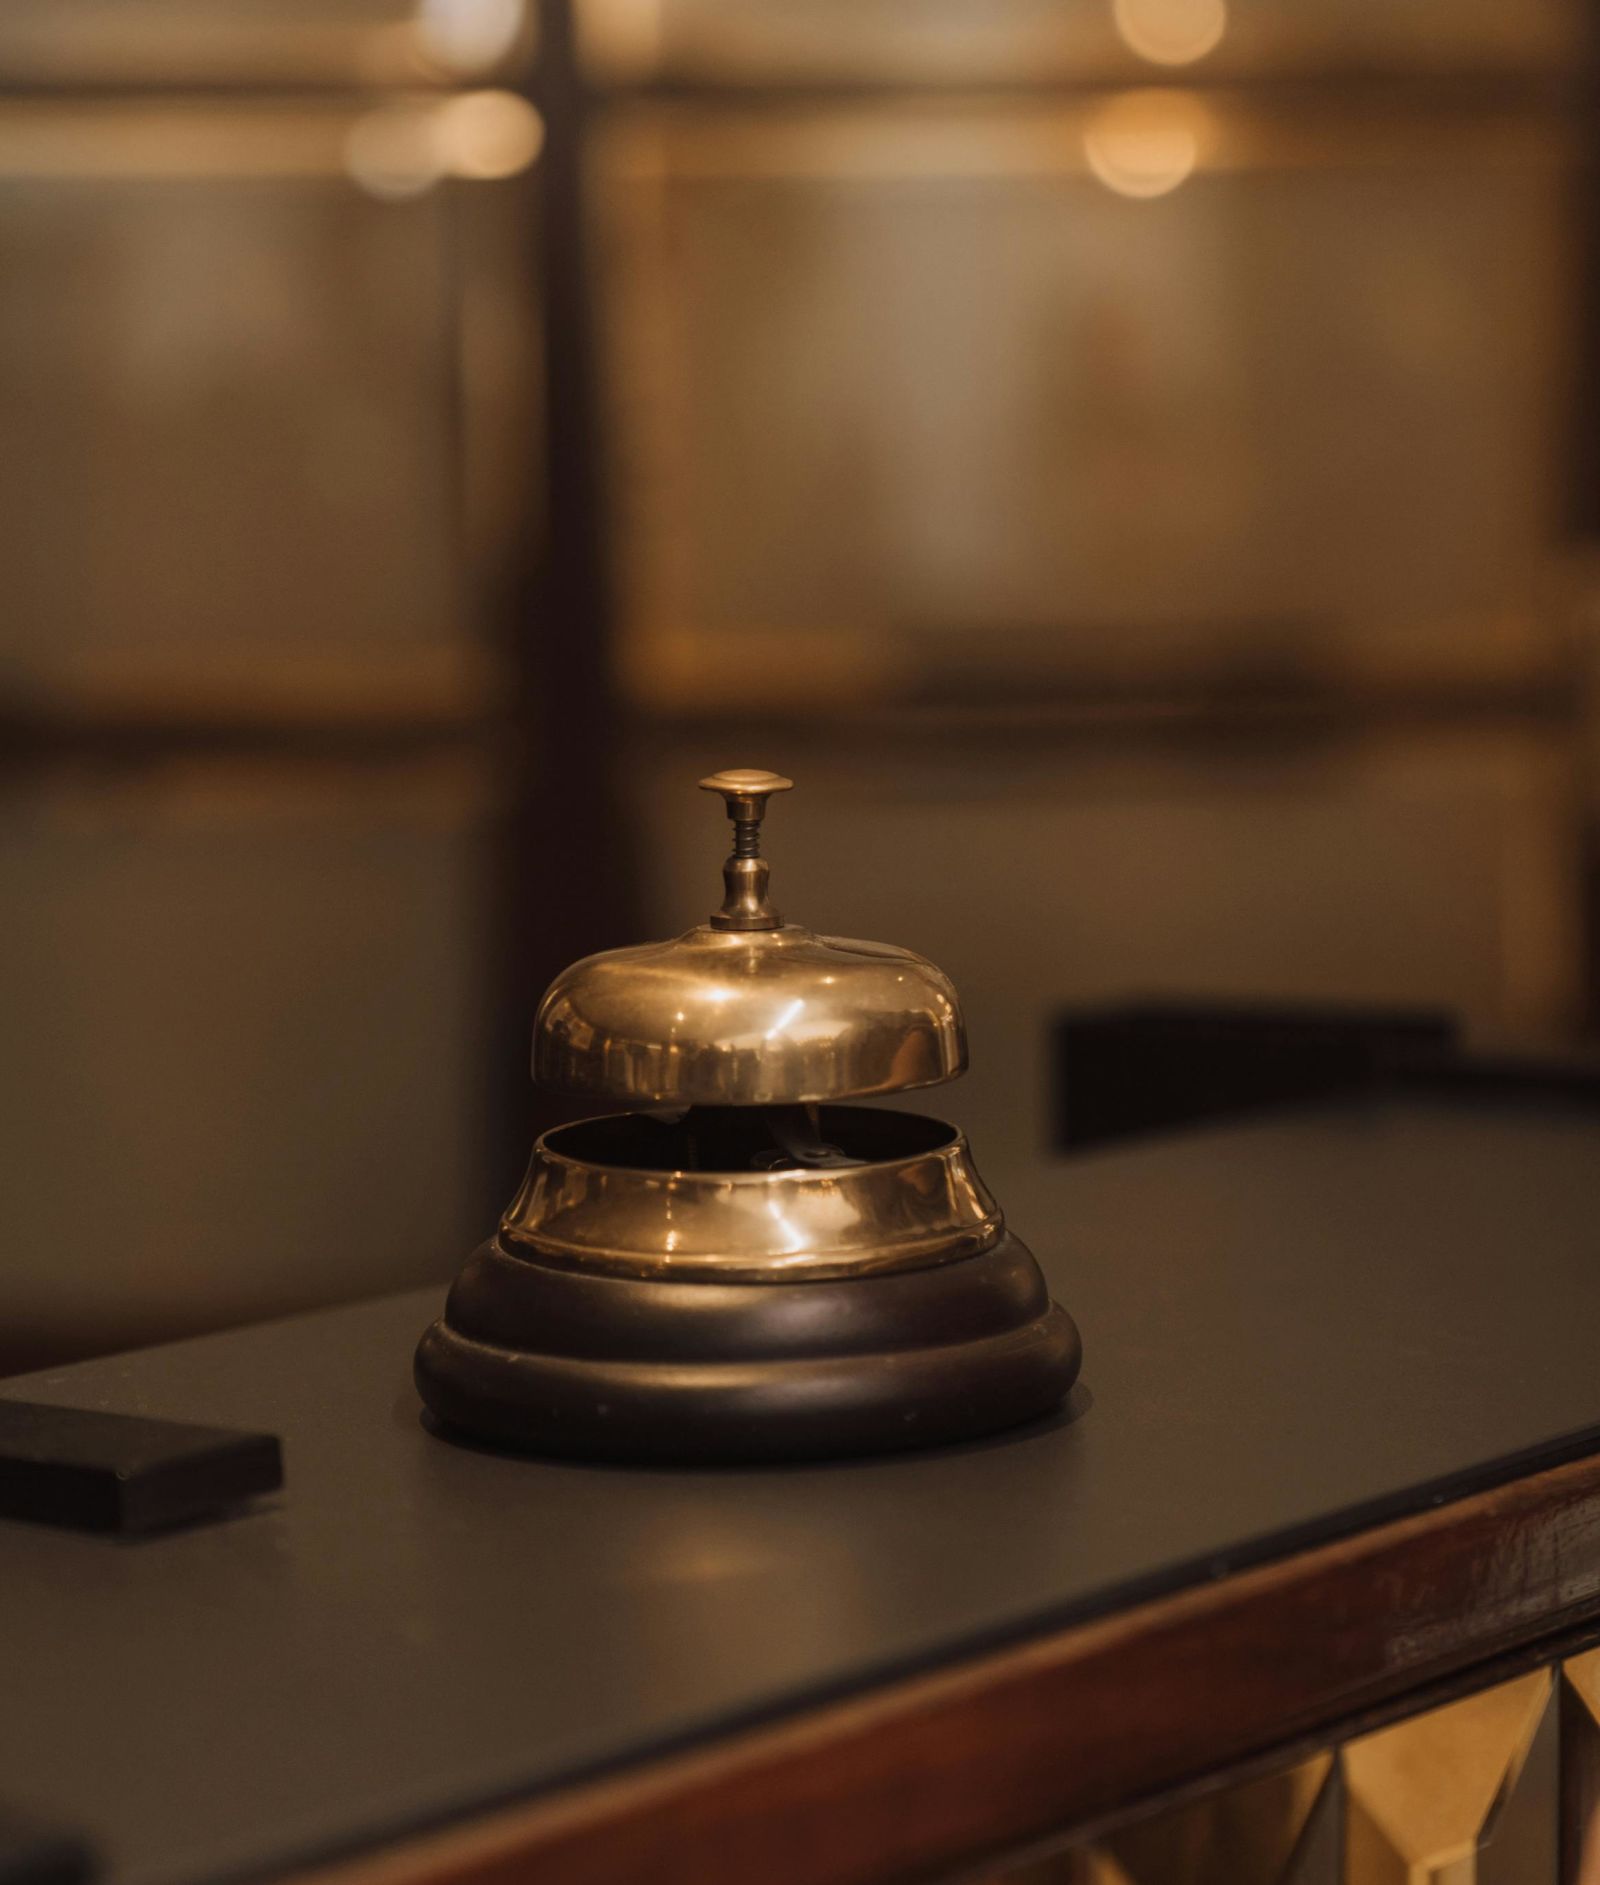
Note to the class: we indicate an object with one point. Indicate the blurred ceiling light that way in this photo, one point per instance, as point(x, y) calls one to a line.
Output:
point(1146, 143)
point(401, 150)
point(487, 135)
point(1171, 32)
point(468, 35)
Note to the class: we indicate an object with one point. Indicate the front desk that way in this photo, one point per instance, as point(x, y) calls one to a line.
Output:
point(1300, 1586)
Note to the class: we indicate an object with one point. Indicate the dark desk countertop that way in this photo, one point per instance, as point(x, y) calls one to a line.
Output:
point(1290, 1328)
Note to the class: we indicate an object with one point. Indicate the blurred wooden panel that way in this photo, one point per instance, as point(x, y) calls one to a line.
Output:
point(247, 1074)
point(974, 42)
point(907, 392)
point(65, 44)
point(258, 410)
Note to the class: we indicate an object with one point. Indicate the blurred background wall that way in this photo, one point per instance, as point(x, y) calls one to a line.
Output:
point(1132, 461)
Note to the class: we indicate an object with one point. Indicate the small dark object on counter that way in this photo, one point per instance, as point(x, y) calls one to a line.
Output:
point(35, 1854)
point(122, 1473)
point(1124, 1070)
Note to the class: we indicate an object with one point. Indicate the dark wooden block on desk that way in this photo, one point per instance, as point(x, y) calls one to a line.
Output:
point(33, 1854)
point(105, 1472)
point(1123, 1069)
point(1129, 1069)
point(1334, 1462)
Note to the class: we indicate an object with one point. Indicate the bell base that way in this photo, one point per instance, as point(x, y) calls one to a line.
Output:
point(568, 1363)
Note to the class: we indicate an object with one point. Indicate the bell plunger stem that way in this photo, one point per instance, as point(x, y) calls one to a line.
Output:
point(745, 876)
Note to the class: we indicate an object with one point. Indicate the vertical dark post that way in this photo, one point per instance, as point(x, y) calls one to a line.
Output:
point(566, 884)
point(1583, 505)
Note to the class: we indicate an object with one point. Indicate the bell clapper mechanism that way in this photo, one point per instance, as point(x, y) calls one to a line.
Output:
point(742, 1265)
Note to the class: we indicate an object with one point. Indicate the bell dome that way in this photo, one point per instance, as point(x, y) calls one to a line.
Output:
point(745, 1009)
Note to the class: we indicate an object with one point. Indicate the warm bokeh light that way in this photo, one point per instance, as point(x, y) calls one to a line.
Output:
point(1144, 144)
point(1171, 32)
point(468, 35)
point(401, 150)
point(390, 152)
point(487, 135)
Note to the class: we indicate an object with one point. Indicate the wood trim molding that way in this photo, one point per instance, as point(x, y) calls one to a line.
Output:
point(940, 1770)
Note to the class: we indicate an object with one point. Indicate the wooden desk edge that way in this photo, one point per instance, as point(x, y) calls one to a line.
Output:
point(936, 1771)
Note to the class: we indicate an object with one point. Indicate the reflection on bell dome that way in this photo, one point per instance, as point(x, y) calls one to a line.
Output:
point(749, 1018)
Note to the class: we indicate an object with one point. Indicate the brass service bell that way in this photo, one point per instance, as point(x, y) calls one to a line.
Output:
point(741, 1266)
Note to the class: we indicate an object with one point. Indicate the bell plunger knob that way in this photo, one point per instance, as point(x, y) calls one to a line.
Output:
point(745, 875)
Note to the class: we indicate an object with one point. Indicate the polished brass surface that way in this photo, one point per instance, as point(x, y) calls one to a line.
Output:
point(745, 790)
point(1279, 1828)
point(1464, 1793)
point(737, 1268)
point(745, 876)
point(731, 1018)
point(890, 1214)
point(747, 1010)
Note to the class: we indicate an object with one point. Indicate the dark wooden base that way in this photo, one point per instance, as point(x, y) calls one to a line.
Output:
point(559, 1361)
